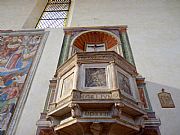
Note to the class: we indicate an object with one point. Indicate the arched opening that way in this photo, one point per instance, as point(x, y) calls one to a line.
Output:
point(96, 41)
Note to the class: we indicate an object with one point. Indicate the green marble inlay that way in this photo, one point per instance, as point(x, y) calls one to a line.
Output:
point(126, 48)
point(64, 50)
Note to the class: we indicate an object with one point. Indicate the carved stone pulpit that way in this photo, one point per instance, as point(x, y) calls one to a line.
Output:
point(96, 86)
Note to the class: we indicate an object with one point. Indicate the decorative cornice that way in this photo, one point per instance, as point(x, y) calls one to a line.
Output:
point(74, 29)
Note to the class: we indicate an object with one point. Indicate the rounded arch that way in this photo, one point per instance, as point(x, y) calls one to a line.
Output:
point(95, 37)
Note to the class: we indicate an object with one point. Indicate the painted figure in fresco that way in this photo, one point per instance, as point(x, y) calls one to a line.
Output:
point(10, 93)
point(5, 115)
point(9, 53)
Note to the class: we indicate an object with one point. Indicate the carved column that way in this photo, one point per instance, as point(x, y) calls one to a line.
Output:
point(114, 76)
point(76, 75)
point(126, 45)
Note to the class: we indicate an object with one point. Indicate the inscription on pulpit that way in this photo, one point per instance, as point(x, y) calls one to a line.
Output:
point(166, 99)
point(96, 96)
point(96, 114)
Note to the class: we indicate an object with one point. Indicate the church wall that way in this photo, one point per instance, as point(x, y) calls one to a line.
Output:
point(39, 88)
point(18, 14)
point(153, 29)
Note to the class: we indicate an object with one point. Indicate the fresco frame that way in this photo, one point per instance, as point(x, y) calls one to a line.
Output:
point(13, 124)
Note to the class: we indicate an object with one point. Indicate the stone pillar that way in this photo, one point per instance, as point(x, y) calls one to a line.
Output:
point(65, 48)
point(127, 52)
point(114, 76)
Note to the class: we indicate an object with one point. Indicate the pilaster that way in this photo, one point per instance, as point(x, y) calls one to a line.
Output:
point(127, 52)
point(65, 48)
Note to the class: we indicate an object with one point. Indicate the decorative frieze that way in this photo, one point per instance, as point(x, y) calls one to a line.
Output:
point(102, 96)
point(97, 114)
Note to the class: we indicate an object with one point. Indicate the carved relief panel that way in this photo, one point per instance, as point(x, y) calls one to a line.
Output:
point(95, 77)
point(67, 84)
point(124, 83)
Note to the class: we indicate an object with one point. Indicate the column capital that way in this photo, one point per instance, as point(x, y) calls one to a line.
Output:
point(68, 32)
point(123, 29)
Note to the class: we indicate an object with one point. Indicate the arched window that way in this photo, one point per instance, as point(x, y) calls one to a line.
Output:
point(55, 14)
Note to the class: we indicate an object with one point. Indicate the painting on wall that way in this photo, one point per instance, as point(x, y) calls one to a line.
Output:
point(17, 55)
point(166, 99)
point(95, 77)
point(124, 83)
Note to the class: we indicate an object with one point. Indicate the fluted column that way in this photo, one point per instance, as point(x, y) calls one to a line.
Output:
point(127, 52)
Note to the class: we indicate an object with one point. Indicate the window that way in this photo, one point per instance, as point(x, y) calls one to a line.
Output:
point(95, 47)
point(55, 14)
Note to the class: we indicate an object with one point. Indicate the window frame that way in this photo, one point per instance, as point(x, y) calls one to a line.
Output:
point(50, 17)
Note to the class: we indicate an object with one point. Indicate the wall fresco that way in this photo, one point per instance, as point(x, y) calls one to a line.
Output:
point(17, 52)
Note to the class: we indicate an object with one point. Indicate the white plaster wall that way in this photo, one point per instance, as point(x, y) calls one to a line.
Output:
point(154, 30)
point(39, 88)
point(17, 14)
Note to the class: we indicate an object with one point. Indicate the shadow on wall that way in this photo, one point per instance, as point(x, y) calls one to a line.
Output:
point(169, 117)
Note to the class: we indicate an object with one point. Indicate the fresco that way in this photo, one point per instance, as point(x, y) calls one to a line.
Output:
point(17, 52)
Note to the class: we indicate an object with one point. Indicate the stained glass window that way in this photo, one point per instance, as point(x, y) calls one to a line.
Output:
point(55, 14)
